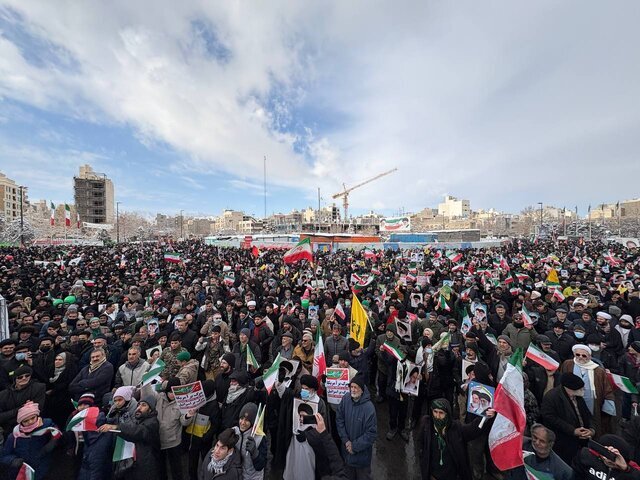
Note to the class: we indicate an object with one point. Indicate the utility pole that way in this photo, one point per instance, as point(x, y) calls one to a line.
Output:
point(181, 223)
point(265, 187)
point(540, 231)
point(118, 222)
point(589, 220)
point(21, 217)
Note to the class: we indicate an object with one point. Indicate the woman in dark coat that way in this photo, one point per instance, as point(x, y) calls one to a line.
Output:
point(97, 454)
point(58, 405)
point(443, 453)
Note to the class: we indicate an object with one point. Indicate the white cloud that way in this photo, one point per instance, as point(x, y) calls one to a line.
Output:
point(501, 103)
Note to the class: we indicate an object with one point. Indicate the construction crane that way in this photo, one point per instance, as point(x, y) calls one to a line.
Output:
point(345, 194)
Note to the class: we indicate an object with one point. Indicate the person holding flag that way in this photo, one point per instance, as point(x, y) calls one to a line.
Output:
point(31, 442)
point(251, 443)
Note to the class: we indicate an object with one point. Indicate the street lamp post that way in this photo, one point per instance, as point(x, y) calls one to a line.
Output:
point(118, 222)
point(21, 217)
point(181, 223)
point(540, 232)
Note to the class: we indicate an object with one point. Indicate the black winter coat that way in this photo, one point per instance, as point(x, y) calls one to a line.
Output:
point(145, 433)
point(11, 400)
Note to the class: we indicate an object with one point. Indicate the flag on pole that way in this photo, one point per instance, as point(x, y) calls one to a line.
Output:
point(558, 295)
point(362, 283)
point(78, 219)
point(359, 318)
point(153, 373)
point(443, 343)
point(89, 283)
point(442, 304)
point(26, 472)
point(368, 253)
point(123, 450)
point(255, 252)
point(465, 294)
point(251, 359)
point(552, 279)
point(541, 358)
point(302, 251)
point(172, 257)
point(622, 383)
point(52, 220)
point(67, 215)
point(505, 437)
point(339, 311)
point(454, 257)
point(258, 426)
point(319, 361)
point(271, 375)
point(393, 351)
point(84, 421)
point(526, 316)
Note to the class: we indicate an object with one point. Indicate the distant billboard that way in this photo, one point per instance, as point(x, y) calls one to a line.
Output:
point(395, 224)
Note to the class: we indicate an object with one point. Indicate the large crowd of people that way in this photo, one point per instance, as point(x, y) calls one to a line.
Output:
point(89, 327)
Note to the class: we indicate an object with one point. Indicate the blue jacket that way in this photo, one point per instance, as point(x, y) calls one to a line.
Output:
point(97, 454)
point(31, 450)
point(357, 423)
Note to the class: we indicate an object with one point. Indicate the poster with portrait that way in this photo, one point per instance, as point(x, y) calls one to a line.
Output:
point(479, 398)
point(465, 365)
point(403, 328)
point(289, 369)
point(313, 312)
point(301, 410)
point(411, 380)
point(416, 299)
point(156, 350)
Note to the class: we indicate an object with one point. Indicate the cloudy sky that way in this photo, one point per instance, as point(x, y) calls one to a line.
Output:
point(504, 103)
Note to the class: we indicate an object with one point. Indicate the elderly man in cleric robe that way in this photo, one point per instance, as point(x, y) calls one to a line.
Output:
point(598, 392)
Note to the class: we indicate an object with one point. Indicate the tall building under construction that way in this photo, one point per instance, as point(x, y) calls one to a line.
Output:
point(93, 194)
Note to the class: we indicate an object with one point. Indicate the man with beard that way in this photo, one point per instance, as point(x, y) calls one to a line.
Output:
point(497, 357)
point(223, 380)
point(144, 432)
point(520, 335)
point(443, 446)
point(598, 393)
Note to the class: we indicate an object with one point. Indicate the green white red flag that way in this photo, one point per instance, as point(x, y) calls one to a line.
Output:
point(84, 421)
point(507, 431)
point(271, 375)
point(339, 311)
point(622, 383)
point(172, 257)
point(533, 474)
point(251, 359)
point(393, 351)
point(319, 361)
point(302, 251)
point(541, 358)
point(52, 220)
point(123, 450)
point(454, 257)
point(26, 472)
point(526, 316)
point(442, 304)
point(67, 215)
point(153, 373)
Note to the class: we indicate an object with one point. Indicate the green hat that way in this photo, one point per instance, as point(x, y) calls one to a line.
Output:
point(184, 356)
point(305, 303)
point(57, 301)
point(70, 299)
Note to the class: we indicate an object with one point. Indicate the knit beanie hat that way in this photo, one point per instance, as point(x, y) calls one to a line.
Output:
point(29, 409)
point(249, 411)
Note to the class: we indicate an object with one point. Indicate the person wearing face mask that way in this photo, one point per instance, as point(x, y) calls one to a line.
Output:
point(628, 334)
point(565, 412)
point(309, 393)
point(598, 395)
point(357, 427)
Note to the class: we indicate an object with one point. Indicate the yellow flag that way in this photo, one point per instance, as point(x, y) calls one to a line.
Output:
point(552, 278)
point(258, 429)
point(358, 321)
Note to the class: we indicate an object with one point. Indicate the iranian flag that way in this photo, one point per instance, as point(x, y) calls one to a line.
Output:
point(622, 383)
point(339, 311)
point(393, 351)
point(123, 450)
point(363, 283)
point(611, 259)
point(172, 257)
point(442, 304)
point(271, 375)
point(458, 268)
point(26, 472)
point(368, 253)
point(251, 359)
point(558, 295)
point(465, 294)
point(375, 271)
point(84, 421)
point(67, 215)
point(229, 278)
point(153, 373)
point(52, 220)
point(505, 437)
point(541, 358)
point(319, 362)
point(89, 283)
point(526, 316)
point(454, 257)
point(302, 251)
point(533, 474)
